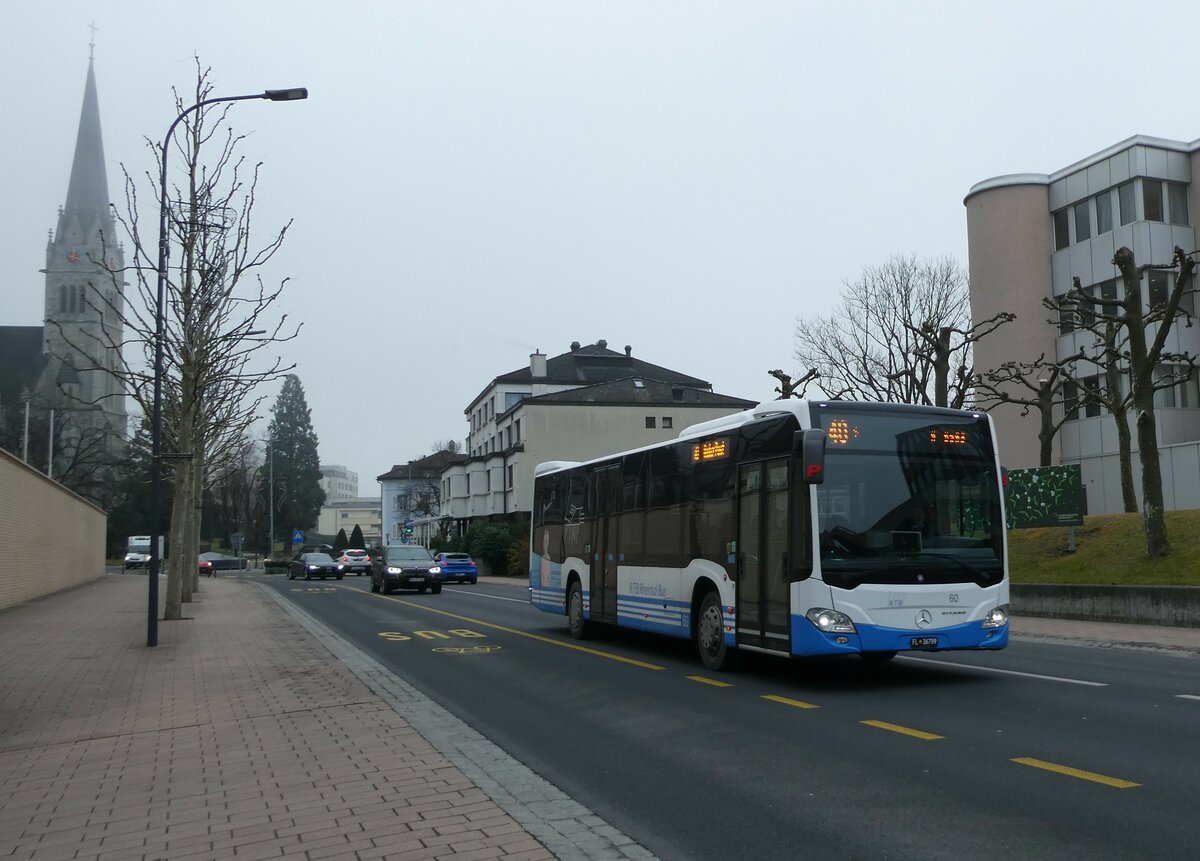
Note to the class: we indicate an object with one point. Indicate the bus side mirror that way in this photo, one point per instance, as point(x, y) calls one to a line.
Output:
point(811, 446)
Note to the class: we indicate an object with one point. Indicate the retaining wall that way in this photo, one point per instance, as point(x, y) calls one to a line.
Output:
point(52, 538)
point(1176, 606)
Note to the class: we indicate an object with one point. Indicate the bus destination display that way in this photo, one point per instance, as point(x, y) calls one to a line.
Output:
point(841, 431)
point(711, 449)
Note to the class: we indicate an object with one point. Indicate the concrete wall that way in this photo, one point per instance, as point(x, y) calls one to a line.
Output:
point(52, 539)
point(1176, 606)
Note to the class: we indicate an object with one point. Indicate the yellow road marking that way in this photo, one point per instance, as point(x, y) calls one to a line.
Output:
point(526, 634)
point(714, 682)
point(903, 730)
point(800, 704)
point(1076, 772)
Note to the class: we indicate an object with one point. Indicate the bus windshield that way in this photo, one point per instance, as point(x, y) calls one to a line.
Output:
point(908, 498)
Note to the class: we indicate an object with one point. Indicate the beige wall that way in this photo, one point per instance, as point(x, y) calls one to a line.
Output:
point(1010, 239)
point(53, 539)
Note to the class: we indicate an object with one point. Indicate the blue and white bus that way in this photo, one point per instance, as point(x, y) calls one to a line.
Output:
point(795, 528)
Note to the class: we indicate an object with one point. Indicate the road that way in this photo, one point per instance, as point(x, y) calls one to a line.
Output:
point(1040, 751)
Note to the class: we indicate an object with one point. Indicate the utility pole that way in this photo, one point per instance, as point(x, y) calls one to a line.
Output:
point(50, 447)
point(271, 498)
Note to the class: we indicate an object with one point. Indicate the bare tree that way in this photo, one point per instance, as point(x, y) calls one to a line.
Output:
point(1121, 325)
point(1042, 385)
point(219, 315)
point(902, 334)
point(787, 387)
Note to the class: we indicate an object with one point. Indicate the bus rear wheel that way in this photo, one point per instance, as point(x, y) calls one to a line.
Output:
point(710, 634)
point(579, 627)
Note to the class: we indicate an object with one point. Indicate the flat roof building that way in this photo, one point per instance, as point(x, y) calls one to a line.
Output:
point(1029, 235)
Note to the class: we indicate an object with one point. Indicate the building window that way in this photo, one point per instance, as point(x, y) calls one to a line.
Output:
point(649, 421)
point(1092, 406)
point(1108, 292)
point(510, 476)
point(1104, 220)
point(1152, 203)
point(1070, 395)
point(1126, 203)
point(1062, 236)
point(396, 500)
point(1177, 203)
point(1066, 320)
point(517, 432)
point(1083, 224)
point(1160, 290)
point(345, 515)
point(668, 423)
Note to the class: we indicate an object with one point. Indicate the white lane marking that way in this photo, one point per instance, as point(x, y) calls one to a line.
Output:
point(1187, 697)
point(486, 595)
point(1005, 672)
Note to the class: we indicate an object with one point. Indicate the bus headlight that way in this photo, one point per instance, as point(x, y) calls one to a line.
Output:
point(830, 621)
point(997, 617)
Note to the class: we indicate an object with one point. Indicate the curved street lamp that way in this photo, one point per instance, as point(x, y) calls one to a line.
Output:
point(289, 95)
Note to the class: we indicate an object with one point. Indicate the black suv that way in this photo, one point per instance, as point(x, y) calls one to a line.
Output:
point(405, 566)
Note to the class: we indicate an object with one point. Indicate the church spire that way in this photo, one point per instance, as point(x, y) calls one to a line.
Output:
point(87, 194)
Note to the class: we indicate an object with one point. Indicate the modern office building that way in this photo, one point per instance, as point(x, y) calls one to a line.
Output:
point(1029, 235)
point(338, 483)
point(347, 513)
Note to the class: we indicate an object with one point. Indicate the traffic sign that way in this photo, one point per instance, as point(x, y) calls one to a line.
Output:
point(298, 536)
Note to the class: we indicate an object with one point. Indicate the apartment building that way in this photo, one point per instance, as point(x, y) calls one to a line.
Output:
point(584, 403)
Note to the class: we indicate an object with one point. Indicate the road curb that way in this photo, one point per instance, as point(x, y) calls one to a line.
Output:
point(564, 826)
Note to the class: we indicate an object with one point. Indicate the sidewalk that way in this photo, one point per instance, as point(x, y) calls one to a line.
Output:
point(239, 735)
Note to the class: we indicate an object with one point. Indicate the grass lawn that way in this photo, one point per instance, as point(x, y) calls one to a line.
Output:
point(1110, 550)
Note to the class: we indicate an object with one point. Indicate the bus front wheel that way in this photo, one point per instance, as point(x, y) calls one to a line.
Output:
point(710, 634)
point(579, 626)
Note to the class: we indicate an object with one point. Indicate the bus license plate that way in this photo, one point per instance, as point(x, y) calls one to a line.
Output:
point(923, 642)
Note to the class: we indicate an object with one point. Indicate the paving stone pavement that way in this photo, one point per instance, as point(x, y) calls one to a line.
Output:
point(242, 735)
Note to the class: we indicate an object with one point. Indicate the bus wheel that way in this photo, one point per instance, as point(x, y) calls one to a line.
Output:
point(710, 634)
point(877, 657)
point(579, 627)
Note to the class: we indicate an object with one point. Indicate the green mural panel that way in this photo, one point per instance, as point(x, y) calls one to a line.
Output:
point(1044, 496)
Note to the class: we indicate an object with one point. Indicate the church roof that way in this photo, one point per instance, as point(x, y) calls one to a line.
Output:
point(21, 361)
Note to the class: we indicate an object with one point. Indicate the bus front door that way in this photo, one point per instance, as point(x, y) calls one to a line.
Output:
point(604, 542)
point(763, 616)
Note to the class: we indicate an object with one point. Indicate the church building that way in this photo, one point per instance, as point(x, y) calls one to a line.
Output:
point(66, 364)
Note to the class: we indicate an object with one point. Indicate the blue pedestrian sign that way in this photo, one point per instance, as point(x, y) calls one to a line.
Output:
point(298, 536)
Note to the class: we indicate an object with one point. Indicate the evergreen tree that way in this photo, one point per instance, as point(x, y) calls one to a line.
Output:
point(298, 494)
point(341, 542)
point(356, 538)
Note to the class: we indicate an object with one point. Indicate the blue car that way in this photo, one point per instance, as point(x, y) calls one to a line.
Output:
point(458, 567)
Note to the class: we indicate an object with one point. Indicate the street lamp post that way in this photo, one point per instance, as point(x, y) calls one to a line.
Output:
point(288, 95)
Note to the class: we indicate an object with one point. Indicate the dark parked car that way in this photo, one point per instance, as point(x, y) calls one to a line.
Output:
point(310, 565)
point(403, 566)
point(458, 567)
point(355, 561)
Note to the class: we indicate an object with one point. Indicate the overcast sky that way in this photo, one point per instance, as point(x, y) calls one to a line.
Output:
point(474, 181)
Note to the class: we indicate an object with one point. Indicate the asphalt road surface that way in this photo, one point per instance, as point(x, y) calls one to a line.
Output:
point(1039, 751)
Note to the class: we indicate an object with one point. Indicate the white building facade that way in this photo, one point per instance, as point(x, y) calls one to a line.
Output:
point(345, 514)
point(582, 404)
point(1029, 236)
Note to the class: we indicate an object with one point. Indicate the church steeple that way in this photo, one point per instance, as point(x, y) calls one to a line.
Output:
point(87, 194)
point(85, 288)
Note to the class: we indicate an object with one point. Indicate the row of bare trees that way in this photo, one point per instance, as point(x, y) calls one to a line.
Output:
point(220, 324)
point(903, 333)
